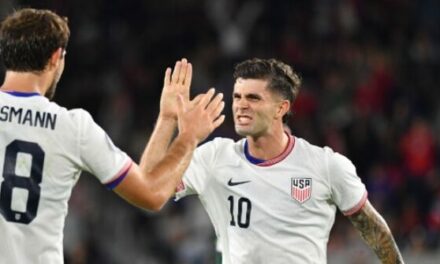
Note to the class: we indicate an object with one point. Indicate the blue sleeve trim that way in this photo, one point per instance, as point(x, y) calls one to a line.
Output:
point(111, 185)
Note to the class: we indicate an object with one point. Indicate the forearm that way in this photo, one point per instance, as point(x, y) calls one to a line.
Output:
point(151, 190)
point(376, 233)
point(176, 83)
point(158, 143)
point(162, 165)
point(168, 172)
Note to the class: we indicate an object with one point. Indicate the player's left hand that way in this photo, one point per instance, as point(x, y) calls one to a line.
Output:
point(201, 116)
point(176, 83)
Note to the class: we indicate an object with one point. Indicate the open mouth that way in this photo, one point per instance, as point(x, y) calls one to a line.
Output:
point(243, 119)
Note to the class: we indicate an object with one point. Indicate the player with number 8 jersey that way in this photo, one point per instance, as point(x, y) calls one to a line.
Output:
point(45, 147)
point(41, 139)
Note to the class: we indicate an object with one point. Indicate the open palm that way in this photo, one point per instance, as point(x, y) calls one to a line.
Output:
point(177, 82)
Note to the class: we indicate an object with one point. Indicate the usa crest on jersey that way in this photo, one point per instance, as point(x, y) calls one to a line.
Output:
point(301, 189)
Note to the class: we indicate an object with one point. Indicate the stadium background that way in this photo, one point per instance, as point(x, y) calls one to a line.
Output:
point(370, 71)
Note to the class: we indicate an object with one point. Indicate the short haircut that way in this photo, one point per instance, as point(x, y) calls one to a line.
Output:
point(281, 78)
point(28, 38)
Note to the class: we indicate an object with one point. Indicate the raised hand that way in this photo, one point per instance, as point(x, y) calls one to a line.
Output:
point(201, 116)
point(176, 83)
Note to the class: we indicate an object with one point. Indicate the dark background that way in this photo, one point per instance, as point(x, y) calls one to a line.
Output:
point(370, 73)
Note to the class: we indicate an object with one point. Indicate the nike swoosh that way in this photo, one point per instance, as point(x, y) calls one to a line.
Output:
point(231, 183)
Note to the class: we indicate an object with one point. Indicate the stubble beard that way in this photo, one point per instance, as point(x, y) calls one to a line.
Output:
point(244, 132)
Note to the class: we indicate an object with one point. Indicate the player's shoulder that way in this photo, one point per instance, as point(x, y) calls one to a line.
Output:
point(308, 148)
point(222, 144)
point(327, 154)
point(218, 142)
point(79, 114)
point(75, 119)
point(50, 106)
point(220, 149)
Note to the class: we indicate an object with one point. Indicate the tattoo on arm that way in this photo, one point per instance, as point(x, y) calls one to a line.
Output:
point(376, 233)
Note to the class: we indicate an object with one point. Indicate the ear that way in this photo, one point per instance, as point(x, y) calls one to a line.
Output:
point(283, 108)
point(56, 57)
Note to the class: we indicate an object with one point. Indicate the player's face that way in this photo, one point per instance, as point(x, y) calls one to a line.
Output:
point(57, 76)
point(254, 107)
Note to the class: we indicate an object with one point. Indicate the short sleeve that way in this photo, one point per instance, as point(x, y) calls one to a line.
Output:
point(196, 176)
point(348, 191)
point(98, 154)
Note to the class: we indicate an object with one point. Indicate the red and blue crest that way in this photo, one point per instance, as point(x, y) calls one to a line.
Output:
point(301, 189)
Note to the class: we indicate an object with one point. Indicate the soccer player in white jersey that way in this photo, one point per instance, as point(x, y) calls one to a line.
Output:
point(44, 147)
point(271, 196)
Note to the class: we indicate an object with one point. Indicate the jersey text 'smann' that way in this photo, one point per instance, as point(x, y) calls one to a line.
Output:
point(28, 117)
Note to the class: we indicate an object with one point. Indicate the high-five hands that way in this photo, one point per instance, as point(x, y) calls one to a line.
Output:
point(201, 116)
point(176, 83)
point(198, 117)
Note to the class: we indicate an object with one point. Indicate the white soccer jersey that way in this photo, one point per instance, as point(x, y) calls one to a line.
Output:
point(280, 211)
point(43, 149)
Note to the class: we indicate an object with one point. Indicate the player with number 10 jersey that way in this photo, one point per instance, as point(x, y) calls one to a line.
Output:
point(272, 196)
point(278, 211)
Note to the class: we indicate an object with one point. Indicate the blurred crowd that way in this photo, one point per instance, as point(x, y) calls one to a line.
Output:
point(370, 71)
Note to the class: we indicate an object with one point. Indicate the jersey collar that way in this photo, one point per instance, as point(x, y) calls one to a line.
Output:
point(266, 163)
point(251, 159)
point(22, 94)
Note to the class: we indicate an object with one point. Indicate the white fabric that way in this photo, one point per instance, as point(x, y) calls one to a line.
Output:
point(74, 144)
point(280, 229)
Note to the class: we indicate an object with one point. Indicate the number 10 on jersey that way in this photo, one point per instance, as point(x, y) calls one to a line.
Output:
point(240, 214)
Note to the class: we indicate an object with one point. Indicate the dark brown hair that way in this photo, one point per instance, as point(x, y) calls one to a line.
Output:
point(28, 38)
point(282, 79)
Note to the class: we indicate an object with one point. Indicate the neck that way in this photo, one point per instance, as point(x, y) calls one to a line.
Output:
point(268, 146)
point(26, 82)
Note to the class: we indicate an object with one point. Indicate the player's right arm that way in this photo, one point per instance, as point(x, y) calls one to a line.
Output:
point(376, 233)
point(150, 186)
